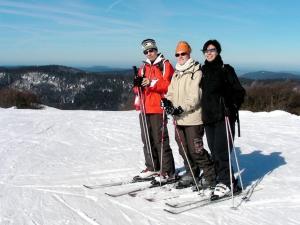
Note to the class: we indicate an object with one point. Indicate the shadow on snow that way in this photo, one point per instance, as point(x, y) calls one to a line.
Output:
point(256, 165)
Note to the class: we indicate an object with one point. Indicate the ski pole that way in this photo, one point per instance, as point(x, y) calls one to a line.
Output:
point(144, 119)
point(162, 146)
point(235, 155)
point(145, 125)
point(185, 155)
point(229, 160)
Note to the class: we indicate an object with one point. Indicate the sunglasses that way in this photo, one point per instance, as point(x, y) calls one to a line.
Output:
point(212, 50)
point(180, 54)
point(149, 51)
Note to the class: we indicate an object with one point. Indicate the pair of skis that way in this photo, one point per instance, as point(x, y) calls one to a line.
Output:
point(118, 183)
point(189, 204)
point(180, 207)
point(177, 207)
point(131, 190)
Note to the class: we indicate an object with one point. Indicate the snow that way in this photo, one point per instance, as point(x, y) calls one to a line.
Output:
point(47, 155)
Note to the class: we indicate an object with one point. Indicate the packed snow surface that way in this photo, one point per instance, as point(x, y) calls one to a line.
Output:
point(47, 155)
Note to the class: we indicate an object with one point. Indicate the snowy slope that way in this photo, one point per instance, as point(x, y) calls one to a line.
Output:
point(46, 156)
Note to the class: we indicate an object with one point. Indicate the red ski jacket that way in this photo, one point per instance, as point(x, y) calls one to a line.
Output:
point(159, 73)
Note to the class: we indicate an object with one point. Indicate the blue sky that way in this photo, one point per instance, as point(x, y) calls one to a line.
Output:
point(257, 34)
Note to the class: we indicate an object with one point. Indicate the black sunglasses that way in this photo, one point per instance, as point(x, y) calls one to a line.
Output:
point(180, 54)
point(149, 50)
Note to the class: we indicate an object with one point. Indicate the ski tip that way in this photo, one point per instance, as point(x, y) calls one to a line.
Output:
point(133, 194)
point(87, 186)
point(171, 205)
point(109, 194)
point(170, 211)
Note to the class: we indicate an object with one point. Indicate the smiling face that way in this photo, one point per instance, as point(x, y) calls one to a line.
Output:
point(182, 57)
point(210, 53)
point(151, 54)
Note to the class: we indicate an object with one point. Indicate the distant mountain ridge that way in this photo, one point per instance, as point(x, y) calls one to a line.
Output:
point(100, 69)
point(265, 75)
point(41, 69)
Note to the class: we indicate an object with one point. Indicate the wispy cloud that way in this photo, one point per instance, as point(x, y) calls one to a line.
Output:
point(50, 33)
point(55, 13)
point(18, 28)
point(111, 6)
point(56, 18)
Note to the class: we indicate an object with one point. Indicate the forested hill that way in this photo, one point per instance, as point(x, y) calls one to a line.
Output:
point(268, 75)
point(70, 88)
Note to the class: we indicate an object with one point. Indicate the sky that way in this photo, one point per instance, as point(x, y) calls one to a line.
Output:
point(256, 34)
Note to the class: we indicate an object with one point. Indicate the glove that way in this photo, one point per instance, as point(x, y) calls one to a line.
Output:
point(227, 111)
point(164, 103)
point(169, 108)
point(177, 111)
point(137, 81)
point(167, 105)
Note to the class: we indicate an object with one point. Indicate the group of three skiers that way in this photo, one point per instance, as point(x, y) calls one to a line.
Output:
point(200, 98)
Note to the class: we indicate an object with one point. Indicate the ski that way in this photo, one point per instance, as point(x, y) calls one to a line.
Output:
point(134, 190)
point(195, 199)
point(194, 205)
point(155, 198)
point(192, 198)
point(172, 194)
point(154, 185)
point(128, 191)
point(183, 207)
point(111, 184)
point(187, 202)
point(117, 183)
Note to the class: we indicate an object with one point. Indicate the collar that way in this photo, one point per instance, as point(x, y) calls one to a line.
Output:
point(158, 59)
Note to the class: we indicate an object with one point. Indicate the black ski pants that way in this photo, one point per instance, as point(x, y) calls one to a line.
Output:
point(155, 125)
point(190, 143)
point(217, 143)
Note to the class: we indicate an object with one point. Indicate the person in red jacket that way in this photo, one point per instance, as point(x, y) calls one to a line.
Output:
point(151, 84)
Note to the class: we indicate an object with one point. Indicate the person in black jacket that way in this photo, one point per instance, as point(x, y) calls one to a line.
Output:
point(222, 96)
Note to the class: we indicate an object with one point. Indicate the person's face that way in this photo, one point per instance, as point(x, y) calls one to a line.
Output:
point(151, 54)
point(182, 57)
point(210, 53)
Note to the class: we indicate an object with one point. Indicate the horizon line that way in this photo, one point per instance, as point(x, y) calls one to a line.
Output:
point(110, 67)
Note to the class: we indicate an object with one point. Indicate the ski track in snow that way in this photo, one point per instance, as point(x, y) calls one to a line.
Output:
point(47, 155)
point(81, 214)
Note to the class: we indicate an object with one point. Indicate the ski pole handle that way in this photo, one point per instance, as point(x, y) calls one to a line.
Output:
point(135, 71)
point(138, 80)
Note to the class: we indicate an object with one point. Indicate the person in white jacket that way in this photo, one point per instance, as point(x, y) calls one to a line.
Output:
point(183, 102)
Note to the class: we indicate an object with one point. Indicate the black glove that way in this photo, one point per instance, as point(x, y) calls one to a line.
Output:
point(169, 108)
point(227, 111)
point(137, 81)
point(177, 111)
point(167, 105)
point(164, 103)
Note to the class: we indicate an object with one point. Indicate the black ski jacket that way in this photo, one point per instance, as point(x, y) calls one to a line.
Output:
point(216, 95)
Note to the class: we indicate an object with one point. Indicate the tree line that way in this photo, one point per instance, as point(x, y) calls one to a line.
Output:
point(113, 91)
point(273, 95)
